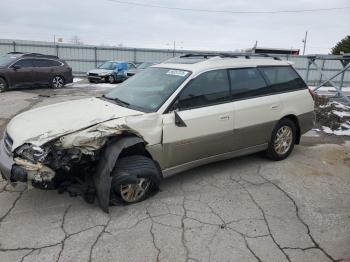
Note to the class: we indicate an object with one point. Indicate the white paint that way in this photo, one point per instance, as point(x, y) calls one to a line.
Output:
point(40, 125)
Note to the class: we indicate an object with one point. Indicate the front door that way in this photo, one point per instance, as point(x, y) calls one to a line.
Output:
point(205, 107)
point(21, 74)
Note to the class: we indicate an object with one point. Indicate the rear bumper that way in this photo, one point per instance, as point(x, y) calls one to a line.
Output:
point(307, 121)
point(69, 79)
point(6, 162)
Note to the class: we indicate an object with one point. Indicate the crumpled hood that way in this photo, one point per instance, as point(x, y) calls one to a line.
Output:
point(101, 71)
point(39, 126)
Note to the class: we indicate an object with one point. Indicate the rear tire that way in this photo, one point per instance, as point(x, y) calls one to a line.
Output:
point(135, 178)
point(57, 82)
point(3, 85)
point(282, 140)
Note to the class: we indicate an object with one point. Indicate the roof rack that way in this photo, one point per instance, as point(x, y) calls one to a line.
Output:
point(33, 55)
point(228, 55)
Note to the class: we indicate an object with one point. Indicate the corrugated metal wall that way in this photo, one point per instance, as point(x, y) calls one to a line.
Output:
point(85, 57)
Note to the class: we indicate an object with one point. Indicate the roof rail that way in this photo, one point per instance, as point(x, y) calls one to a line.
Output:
point(34, 55)
point(204, 55)
point(15, 53)
point(229, 55)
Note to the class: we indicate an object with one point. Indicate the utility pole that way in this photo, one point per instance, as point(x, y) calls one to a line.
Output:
point(54, 39)
point(304, 41)
point(174, 48)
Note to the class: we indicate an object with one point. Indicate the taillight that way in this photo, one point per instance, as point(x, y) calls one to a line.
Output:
point(312, 93)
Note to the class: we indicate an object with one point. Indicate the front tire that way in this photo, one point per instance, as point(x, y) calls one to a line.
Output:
point(135, 178)
point(57, 82)
point(111, 79)
point(3, 85)
point(282, 140)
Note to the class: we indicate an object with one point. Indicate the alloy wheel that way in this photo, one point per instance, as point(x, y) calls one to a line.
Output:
point(134, 192)
point(57, 82)
point(283, 140)
point(111, 79)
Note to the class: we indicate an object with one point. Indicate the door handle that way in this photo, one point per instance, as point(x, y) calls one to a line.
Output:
point(274, 106)
point(224, 117)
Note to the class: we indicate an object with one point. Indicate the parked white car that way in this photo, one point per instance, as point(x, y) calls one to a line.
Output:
point(171, 117)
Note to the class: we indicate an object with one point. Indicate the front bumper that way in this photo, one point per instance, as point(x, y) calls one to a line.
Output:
point(6, 162)
point(98, 79)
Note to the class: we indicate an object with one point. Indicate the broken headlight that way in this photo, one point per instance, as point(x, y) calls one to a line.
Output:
point(32, 153)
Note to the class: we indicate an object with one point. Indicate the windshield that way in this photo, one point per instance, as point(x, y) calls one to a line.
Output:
point(108, 66)
point(6, 59)
point(144, 65)
point(149, 89)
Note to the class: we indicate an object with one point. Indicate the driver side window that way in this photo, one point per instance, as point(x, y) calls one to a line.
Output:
point(209, 88)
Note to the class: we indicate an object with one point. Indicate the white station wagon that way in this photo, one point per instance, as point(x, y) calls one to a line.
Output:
point(183, 113)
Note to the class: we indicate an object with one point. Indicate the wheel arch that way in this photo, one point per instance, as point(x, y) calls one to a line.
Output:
point(116, 147)
point(6, 80)
point(295, 120)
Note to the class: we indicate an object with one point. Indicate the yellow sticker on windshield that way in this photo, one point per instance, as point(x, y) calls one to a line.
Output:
point(177, 73)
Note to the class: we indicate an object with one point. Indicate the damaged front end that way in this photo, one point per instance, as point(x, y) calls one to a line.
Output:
point(81, 162)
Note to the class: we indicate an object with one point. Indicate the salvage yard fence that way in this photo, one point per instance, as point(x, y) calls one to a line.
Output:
point(82, 58)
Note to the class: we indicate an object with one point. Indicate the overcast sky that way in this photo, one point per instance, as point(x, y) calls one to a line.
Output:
point(105, 22)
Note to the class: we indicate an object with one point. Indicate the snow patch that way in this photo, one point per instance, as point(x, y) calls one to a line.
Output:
point(77, 79)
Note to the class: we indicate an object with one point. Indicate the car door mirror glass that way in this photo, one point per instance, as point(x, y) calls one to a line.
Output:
point(178, 120)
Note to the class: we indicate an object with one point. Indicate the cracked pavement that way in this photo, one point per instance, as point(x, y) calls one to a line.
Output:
point(244, 209)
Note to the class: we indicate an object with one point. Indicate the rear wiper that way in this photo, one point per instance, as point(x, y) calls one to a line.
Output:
point(117, 100)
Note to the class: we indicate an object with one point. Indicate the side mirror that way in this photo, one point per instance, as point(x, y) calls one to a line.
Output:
point(178, 120)
point(16, 67)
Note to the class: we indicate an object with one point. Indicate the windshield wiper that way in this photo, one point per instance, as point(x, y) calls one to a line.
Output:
point(117, 100)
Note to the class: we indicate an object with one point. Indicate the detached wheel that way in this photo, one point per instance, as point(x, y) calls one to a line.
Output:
point(111, 79)
point(3, 85)
point(282, 140)
point(57, 82)
point(135, 178)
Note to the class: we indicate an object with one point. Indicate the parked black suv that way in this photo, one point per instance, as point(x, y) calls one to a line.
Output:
point(20, 70)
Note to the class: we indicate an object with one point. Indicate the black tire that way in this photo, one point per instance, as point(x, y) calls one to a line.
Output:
point(272, 152)
point(111, 79)
point(129, 170)
point(3, 85)
point(91, 81)
point(57, 82)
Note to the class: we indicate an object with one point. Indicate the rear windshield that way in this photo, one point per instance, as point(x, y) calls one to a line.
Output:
point(7, 59)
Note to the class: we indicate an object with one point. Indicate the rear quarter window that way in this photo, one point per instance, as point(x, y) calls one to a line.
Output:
point(283, 78)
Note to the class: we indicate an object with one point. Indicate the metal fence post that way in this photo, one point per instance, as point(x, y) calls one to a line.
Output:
point(308, 71)
point(135, 55)
point(95, 50)
point(14, 46)
point(322, 69)
point(57, 52)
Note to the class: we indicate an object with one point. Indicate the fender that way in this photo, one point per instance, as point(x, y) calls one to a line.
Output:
point(102, 178)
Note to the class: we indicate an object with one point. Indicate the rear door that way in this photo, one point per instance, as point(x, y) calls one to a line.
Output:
point(23, 75)
point(206, 109)
point(257, 107)
point(44, 71)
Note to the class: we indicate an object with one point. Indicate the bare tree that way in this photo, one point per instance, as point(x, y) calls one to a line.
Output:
point(76, 40)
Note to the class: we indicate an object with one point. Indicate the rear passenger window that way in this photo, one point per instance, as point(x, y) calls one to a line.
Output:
point(247, 82)
point(283, 78)
point(41, 63)
point(207, 89)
